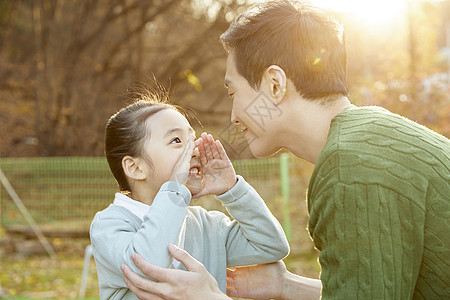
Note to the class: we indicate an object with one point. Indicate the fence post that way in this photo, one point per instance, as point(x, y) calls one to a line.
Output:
point(4, 180)
point(285, 193)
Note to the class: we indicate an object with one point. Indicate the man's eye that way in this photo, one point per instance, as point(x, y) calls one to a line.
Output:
point(176, 140)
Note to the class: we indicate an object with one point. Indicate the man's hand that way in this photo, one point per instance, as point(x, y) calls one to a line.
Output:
point(196, 283)
point(218, 171)
point(256, 282)
point(271, 281)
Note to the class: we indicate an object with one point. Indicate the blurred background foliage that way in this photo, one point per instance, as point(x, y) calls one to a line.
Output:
point(66, 66)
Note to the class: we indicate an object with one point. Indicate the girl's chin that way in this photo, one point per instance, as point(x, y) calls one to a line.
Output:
point(194, 184)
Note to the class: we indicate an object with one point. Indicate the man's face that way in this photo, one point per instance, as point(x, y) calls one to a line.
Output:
point(253, 111)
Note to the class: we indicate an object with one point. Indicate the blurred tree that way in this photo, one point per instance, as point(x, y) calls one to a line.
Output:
point(79, 59)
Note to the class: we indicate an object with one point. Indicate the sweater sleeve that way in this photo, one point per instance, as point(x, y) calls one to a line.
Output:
point(371, 240)
point(114, 239)
point(255, 236)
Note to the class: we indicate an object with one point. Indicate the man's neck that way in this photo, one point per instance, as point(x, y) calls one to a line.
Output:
point(307, 125)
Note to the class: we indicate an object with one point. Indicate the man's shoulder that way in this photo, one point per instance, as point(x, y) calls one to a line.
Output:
point(378, 131)
point(370, 142)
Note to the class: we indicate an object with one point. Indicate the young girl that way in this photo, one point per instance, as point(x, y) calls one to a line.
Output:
point(151, 152)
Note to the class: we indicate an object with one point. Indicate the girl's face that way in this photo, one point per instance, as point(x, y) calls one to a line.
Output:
point(169, 134)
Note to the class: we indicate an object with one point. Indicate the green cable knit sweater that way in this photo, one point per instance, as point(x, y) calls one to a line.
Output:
point(379, 204)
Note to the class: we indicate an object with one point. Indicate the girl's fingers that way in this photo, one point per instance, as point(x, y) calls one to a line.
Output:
point(213, 147)
point(189, 149)
point(201, 149)
point(187, 154)
point(206, 145)
point(191, 146)
point(181, 169)
point(204, 137)
point(210, 149)
point(221, 150)
point(198, 142)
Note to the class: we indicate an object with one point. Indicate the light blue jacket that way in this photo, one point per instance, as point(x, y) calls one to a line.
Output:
point(254, 237)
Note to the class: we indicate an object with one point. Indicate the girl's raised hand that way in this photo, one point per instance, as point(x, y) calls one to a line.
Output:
point(218, 172)
point(180, 172)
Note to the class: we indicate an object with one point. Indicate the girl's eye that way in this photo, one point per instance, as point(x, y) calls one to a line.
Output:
point(176, 140)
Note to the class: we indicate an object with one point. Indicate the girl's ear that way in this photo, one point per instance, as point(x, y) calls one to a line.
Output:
point(277, 81)
point(132, 169)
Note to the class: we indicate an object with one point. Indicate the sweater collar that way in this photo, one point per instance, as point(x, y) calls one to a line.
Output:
point(139, 209)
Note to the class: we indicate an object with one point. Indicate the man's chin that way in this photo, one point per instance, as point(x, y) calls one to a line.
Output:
point(259, 151)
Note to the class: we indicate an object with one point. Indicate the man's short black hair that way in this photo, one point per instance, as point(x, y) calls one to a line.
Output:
point(306, 42)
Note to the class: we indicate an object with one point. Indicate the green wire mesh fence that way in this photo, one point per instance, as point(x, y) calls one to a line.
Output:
point(68, 191)
point(57, 189)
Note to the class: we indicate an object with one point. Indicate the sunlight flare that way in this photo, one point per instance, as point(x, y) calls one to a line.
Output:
point(369, 11)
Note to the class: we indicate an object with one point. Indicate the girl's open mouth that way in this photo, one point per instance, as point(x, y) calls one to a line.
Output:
point(195, 171)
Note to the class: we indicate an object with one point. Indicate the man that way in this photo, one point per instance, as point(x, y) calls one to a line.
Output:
point(379, 196)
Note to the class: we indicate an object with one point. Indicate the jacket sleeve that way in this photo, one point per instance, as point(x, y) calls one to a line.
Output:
point(254, 236)
point(114, 239)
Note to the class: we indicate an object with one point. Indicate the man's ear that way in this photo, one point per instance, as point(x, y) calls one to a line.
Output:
point(132, 168)
point(276, 78)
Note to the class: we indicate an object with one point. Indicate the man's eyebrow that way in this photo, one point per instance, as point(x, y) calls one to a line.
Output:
point(170, 131)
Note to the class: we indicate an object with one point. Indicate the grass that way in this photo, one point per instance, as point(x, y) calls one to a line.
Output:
point(40, 277)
